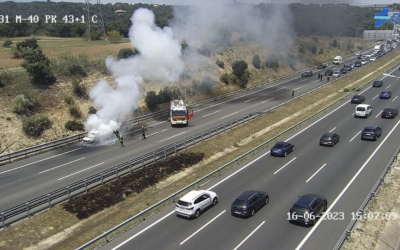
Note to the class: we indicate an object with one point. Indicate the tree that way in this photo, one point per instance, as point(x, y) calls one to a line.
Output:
point(256, 61)
point(239, 68)
point(114, 36)
point(7, 43)
point(38, 66)
point(126, 53)
point(151, 100)
point(35, 125)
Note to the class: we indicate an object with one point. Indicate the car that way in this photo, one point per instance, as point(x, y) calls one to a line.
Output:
point(308, 209)
point(336, 74)
point(282, 148)
point(357, 64)
point(363, 110)
point(249, 202)
point(322, 65)
point(195, 202)
point(91, 137)
point(328, 72)
point(307, 73)
point(329, 139)
point(347, 67)
point(389, 113)
point(385, 94)
point(372, 58)
point(371, 132)
point(343, 71)
point(364, 61)
point(377, 83)
point(351, 65)
point(359, 56)
point(357, 99)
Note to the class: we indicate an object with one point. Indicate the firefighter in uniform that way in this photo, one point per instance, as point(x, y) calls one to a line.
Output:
point(292, 93)
point(143, 133)
point(121, 140)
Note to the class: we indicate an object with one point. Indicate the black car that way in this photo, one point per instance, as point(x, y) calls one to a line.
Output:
point(389, 113)
point(328, 72)
point(377, 83)
point(385, 94)
point(371, 133)
point(343, 71)
point(322, 66)
point(282, 149)
point(358, 99)
point(307, 209)
point(347, 67)
point(357, 64)
point(329, 139)
point(307, 73)
point(249, 202)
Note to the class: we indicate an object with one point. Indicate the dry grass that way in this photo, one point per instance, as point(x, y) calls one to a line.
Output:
point(229, 145)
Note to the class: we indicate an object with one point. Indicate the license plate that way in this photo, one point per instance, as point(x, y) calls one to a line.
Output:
point(237, 212)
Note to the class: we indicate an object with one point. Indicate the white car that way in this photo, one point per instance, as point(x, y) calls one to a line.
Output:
point(364, 61)
point(372, 58)
point(336, 74)
point(363, 110)
point(91, 137)
point(195, 202)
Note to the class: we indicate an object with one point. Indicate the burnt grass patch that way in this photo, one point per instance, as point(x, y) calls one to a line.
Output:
point(97, 199)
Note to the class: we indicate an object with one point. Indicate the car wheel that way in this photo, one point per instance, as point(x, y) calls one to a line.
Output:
point(285, 154)
point(267, 201)
point(325, 207)
point(375, 138)
point(253, 212)
point(197, 213)
point(215, 201)
point(292, 149)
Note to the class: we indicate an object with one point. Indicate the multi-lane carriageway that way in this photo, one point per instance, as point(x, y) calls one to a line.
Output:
point(344, 174)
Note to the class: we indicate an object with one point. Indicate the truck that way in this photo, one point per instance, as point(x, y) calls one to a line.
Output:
point(379, 47)
point(337, 60)
point(180, 114)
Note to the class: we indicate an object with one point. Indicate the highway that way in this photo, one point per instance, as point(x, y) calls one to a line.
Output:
point(344, 174)
point(41, 174)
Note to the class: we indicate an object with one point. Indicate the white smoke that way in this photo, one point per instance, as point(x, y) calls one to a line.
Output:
point(159, 60)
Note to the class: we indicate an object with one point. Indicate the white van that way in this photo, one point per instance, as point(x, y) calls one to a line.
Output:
point(363, 110)
point(337, 60)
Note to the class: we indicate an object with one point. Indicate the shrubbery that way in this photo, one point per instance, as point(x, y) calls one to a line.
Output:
point(71, 66)
point(220, 64)
point(74, 126)
point(35, 125)
point(92, 110)
point(205, 85)
point(79, 89)
point(7, 43)
point(25, 104)
point(256, 61)
point(165, 95)
point(114, 36)
point(69, 100)
point(126, 53)
point(74, 111)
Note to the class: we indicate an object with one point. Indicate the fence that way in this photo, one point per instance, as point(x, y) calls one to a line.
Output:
point(370, 197)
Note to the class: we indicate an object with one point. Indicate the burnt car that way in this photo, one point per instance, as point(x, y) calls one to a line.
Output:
point(389, 113)
point(357, 99)
point(377, 83)
point(307, 73)
point(282, 148)
point(329, 139)
point(308, 209)
point(249, 202)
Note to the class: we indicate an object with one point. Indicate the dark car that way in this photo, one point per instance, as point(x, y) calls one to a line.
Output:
point(385, 94)
point(389, 113)
point(360, 56)
point(343, 71)
point(307, 209)
point(322, 66)
point(328, 72)
point(358, 99)
point(249, 202)
point(347, 67)
point(329, 139)
point(377, 83)
point(357, 64)
point(282, 148)
point(307, 73)
point(371, 133)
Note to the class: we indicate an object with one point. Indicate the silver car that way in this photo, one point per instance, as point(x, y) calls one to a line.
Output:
point(336, 74)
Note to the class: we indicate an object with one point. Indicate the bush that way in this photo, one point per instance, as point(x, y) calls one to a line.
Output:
point(220, 64)
point(74, 126)
point(71, 66)
point(313, 50)
point(272, 62)
point(205, 85)
point(92, 110)
point(79, 89)
point(38, 66)
point(256, 61)
point(239, 68)
point(35, 125)
point(1, 83)
point(320, 51)
point(225, 78)
point(69, 100)
point(151, 100)
point(302, 50)
point(74, 111)
point(24, 104)
point(114, 36)
point(126, 53)
point(7, 43)
point(335, 44)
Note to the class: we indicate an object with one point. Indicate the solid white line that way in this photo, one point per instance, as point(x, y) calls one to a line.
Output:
point(395, 98)
point(332, 130)
point(172, 137)
point(355, 136)
point(251, 99)
point(268, 100)
point(316, 172)
point(229, 115)
point(303, 80)
point(285, 165)
point(388, 86)
point(212, 113)
point(345, 189)
point(143, 230)
point(62, 165)
point(248, 236)
point(379, 114)
point(38, 161)
point(80, 171)
point(202, 227)
point(375, 97)
point(280, 88)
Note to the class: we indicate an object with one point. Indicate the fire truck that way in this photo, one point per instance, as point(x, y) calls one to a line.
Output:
point(179, 113)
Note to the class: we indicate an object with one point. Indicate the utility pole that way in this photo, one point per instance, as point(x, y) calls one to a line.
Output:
point(87, 10)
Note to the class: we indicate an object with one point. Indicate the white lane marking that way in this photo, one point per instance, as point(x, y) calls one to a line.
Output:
point(80, 171)
point(62, 165)
point(345, 189)
point(212, 113)
point(251, 99)
point(297, 88)
point(172, 137)
point(395, 98)
point(332, 130)
point(316, 173)
point(202, 227)
point(268, 100)
point(248, 236)
point(375, 97)
point(304, 80)
point(38, 161)
point(280, 88)
point(355, 136)
point(379, 114)
point(388, 86)
point(148, 135)
point(229, 115)
point(316, 81)
point(285, 165)
point(143, 230)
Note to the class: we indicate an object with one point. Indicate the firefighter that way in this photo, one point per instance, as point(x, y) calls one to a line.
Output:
point(321, 76)
point(116, 132)
point(121, 140)
point(292, 93)
point(143, 133)
point(327, 78)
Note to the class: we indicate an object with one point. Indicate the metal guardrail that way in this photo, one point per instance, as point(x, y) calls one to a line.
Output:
point(370, 197)
point(75, 138)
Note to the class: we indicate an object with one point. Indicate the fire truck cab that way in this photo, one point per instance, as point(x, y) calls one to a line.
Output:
point(179, 113)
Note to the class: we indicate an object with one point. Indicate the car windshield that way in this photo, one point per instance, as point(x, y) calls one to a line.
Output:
point(360, 109)
point(178, 112)
point(388, 110)
point(184, 203)
point(239, 203)
point(337, 72)
point(325, 138)
point(356, 97)
point(300, 210)
point(279, 145)
point(92, 134)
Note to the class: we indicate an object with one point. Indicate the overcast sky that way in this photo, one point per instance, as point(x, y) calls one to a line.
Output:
point(180, 2)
